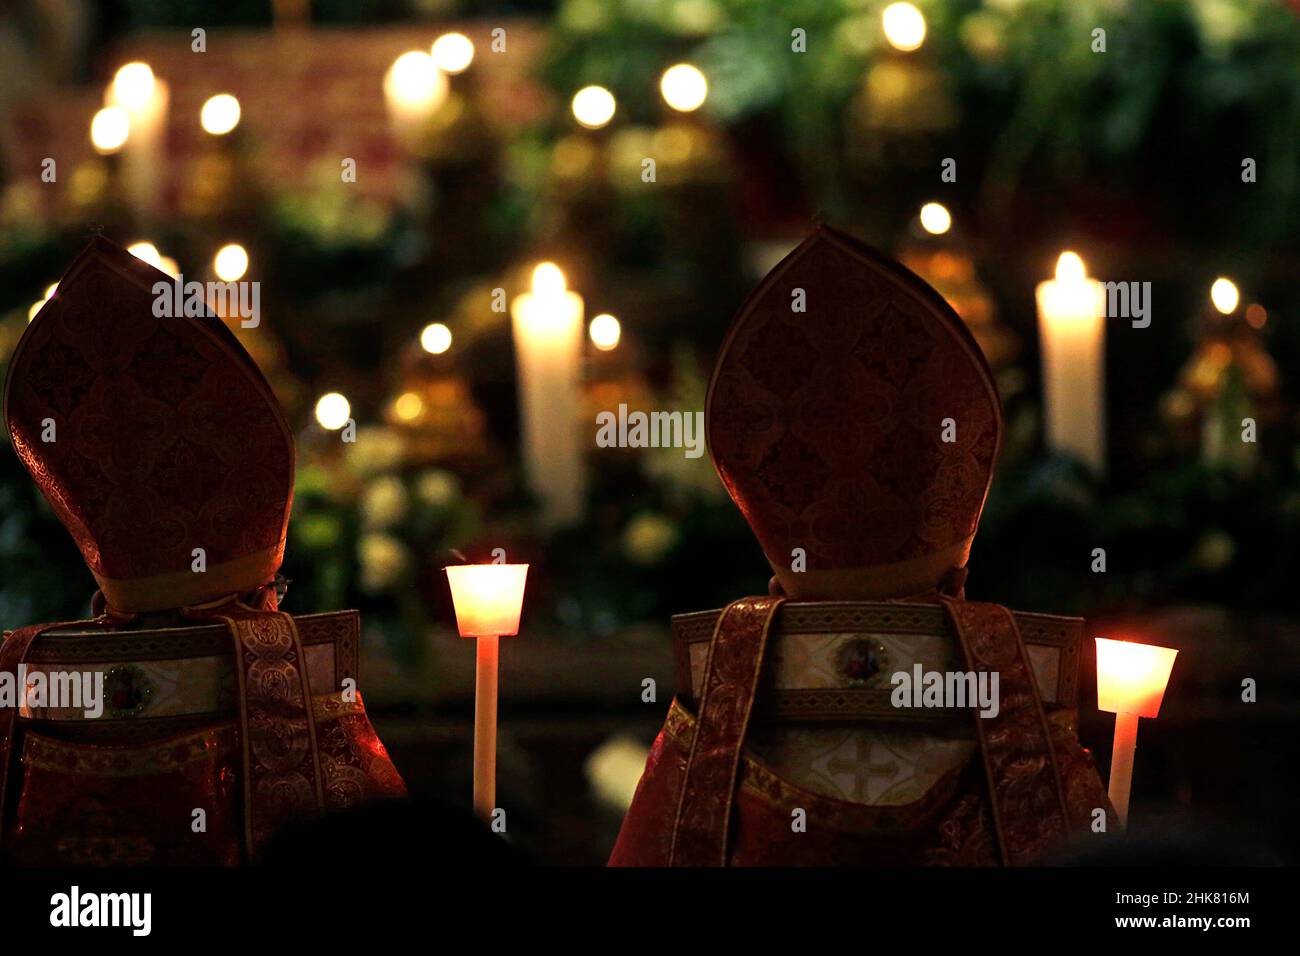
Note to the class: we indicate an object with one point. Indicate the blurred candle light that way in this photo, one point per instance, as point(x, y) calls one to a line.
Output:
point(408, 406)
point(220, 114)
point(935, 218)
point(146, 251)
point(35, 307)
point(1071, 327)
point(487, 599)
point(109, 129)
point(436, 338)
point(1131, 682)
point(593, 106)
point(684, 87)
point(453, 52)
point(230, 263)
point(170, 266)
point(50, 289)
point(333, 411)
point(133, 85)
point(144, 97)
point(1224, 295)
point(904, 26)
point(414, 88)
point(605, 332)
point(547, 325)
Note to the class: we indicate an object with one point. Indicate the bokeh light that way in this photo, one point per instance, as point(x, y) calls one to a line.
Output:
point(1224, 295)
point(133, 85)
point(333, 411)
point(220, 114)
point(684, 87)
point(904, 26)
point(231, 262)
point(435, 339)
point(415, 82)
point(935, 218)
point(109, 129)
point(146, 251)
point(453, 52)
point(593, 106)
point(605, 331)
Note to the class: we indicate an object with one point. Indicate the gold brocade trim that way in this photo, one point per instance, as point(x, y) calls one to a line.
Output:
point(846, 816)
point(332, 706)
point(851, 618)
point(70, 644)
point(161, 592)
point(165, 756)
point(833, 703)
point(138, 732)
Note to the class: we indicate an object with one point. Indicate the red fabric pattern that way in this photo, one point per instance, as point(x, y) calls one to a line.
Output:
point(128, 806)
point(168, 437)
point(951, 826)
point(68, 803)
point(825, 427)
point(704, 801)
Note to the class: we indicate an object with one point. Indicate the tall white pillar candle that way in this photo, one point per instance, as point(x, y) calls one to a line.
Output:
point(145, 97)
point(1072, 331)
point(548, 330)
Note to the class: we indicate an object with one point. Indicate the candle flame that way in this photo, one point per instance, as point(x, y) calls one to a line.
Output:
point(333, 411)
point(487, 598)
point(133, 85)
point(109, 129)
point(904, 26)
point(1225, 295)
point(1131, 677)
point(1069, 267)
point(220, 114)
point(605, 331)
point(146, 251)
point(548, 280)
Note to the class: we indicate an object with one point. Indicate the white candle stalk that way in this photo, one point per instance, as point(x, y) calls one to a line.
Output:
point(1071, 322)
point(548, 330)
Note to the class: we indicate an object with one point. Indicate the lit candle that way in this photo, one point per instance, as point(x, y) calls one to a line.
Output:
point(1071, 310)
point(414, 88)
point(488, 599)
point(144, 97)
point(548, 332)
point(1131, 681)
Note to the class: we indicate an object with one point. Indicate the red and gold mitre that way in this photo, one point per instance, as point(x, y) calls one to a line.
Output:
point(851, 415)
point(150, 437)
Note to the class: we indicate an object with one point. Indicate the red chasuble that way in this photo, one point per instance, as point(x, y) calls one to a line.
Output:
point(858, 436)
point(159, 445)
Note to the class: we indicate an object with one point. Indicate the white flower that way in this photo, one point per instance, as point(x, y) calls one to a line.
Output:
point(376, 450)
point(437, 487)
point(1214, 551)
point(383, 559)
point(383, 503)
point(647, 538)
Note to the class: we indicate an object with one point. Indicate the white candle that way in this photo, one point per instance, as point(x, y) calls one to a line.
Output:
point(1131, 682)
point(145, 98)
point(414, 88)
point(488, 599)
point(1072, 331)
point(548, 333)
